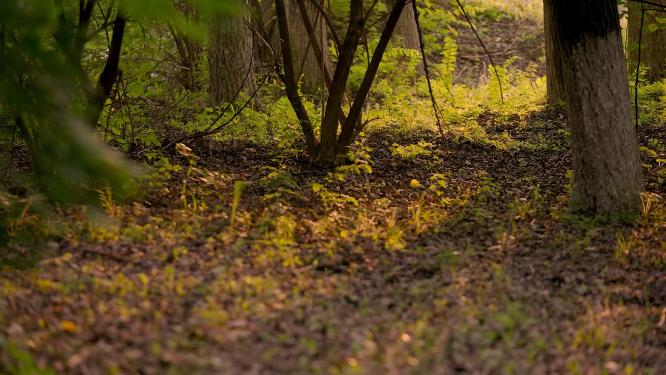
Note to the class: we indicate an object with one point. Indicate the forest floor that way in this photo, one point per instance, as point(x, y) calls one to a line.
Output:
point(445, 256)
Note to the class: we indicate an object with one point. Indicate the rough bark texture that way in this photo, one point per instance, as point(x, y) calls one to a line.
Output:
point(188, 54)
point(188, 50)
point(266, 15)
point(607, 173)
point(321, 56)
point(406, 30)
point(307, 66)
point(653, 43)
point(555, 84)
point(230, 59)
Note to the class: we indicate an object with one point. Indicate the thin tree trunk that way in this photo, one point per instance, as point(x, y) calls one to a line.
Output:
point(97, 97)
point(188, 54)
point(653, 40)
point(291, 85)
point(555, 84)
point(607, 172)
point(349, 129)
point(230, 59)
point(329, 127)
point(85, 14)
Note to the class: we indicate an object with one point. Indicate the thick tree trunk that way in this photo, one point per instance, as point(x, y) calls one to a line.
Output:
point(188, 54)
point(230, 59)
point(653, 40)
point(406, 31)
point(555, 80)
point(188, 50)
point(307, 66)
point(268, 45)
point(607, 172)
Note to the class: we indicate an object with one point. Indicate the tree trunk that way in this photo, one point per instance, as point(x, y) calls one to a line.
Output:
point(307, 66)
point(188, 54)
point(653, 40)
point(555, 84)
point(230, 59)
point(328, 147)
point(349, 129)
point(188, 50)
point(268, 45)
point(107, 78)
point(407, 32)
point(290, 82)
point(607, 172)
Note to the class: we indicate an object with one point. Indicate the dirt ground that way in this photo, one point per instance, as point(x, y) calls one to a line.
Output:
point(445, 256)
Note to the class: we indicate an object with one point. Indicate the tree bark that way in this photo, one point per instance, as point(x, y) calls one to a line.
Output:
point(555, 80)
point(653, 42)
point(268, 45)
point(107, 78)
point(230, 59)
point(607, 172)
point(349, 129)
point(306, 62)
point(329, 128)
point(407, 31)
point(188, 50)
point(291, 85)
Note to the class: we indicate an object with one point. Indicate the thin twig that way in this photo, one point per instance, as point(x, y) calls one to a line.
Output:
point(329, 22)
point(471, 25)
point(236, 95)
point(210, 130)
point(638, 65)
point(435, 107)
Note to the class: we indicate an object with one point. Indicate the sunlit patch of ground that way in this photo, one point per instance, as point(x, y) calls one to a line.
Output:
point(422, 256)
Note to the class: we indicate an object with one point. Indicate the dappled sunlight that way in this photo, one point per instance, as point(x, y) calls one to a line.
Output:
point(415, 256)
point(441, 237)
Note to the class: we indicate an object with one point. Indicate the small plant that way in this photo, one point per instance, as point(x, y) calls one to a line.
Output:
point(417, 214)
point(395, 239)
point(239, 186)
point(648, 203)
point(191, 164)
point(106, 198)
point(623, 247)
point(411, 152)
point(277, 182)
point(332, 199)
point(18, 361)
point(437, 184)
